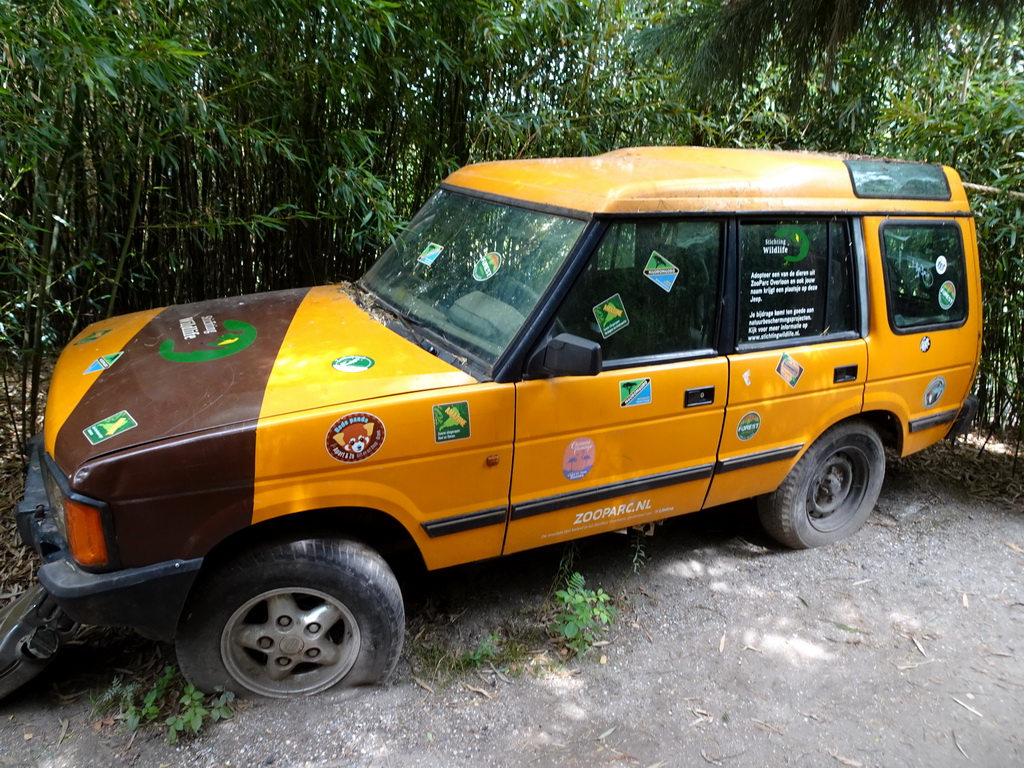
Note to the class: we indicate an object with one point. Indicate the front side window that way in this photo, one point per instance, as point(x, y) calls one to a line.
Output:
point(924, 274)
point(650, 289)
point(796, 280)
point(471, 270)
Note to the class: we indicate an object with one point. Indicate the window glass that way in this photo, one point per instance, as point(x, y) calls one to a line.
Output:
point(924, 273)
point(909, 181)
point(796, 280)
point(650, 289)
point(472, 270)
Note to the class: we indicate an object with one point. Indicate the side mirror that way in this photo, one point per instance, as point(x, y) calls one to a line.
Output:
point(566, 355)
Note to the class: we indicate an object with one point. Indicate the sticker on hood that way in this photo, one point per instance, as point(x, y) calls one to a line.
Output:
point(355, 437)
point(102, 363)
point(238, 335)
point(104, 429)
point(93, 336)
point(353, 363)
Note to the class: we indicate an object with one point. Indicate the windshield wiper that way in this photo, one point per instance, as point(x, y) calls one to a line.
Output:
point(369, 302)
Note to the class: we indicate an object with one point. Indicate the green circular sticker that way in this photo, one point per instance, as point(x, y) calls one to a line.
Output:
point(748, 426)
point(947, 295)
point(353, 363)
point(487, 266)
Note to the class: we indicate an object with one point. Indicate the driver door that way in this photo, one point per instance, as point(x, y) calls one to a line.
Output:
point(638, 441)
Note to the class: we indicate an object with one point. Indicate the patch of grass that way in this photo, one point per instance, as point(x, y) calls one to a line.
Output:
point(506, 651)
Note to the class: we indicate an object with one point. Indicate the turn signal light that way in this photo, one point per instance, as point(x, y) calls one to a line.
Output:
point(85, 533)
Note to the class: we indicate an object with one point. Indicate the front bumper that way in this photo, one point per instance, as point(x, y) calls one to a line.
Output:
point(148, 599)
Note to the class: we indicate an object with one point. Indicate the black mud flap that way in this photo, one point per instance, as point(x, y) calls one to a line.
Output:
point(32, 630)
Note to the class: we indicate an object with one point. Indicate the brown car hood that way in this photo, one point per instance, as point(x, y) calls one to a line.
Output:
point(189, 369)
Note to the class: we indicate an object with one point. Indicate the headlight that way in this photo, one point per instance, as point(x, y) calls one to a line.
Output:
point(79, 521)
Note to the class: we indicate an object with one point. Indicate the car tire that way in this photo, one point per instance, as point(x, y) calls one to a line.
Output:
point(293, 619)
point(831, 490)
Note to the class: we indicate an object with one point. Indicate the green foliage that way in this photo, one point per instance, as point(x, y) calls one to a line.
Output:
point(158, 153)
point(485, 653)
point(638, 549)
point(582, 615)
point(185, 710)
point(195, 709)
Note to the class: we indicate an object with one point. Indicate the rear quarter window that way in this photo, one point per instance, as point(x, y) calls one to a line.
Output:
point(925, 279)
point(796, 281)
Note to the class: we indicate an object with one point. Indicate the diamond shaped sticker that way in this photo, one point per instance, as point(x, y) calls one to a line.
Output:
point(611, 315)
point(102, 363)
point(661, 271)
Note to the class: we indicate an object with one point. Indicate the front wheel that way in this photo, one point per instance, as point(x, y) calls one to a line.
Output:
point(830, 492)
point(293, 619)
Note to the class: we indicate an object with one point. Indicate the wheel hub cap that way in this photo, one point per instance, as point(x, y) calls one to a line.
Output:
point(287, 642)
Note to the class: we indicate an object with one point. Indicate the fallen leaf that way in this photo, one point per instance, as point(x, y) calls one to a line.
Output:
point(422, 684)
point(481, 691)
point(28, 736)
point(966, 602)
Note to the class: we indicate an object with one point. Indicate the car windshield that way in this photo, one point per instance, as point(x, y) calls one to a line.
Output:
point(472, 270)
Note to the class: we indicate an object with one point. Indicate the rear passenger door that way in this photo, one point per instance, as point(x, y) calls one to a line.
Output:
point(637, 442)
point(800, 361)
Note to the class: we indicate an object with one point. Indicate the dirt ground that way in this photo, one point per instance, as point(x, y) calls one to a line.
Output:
point(903, 646)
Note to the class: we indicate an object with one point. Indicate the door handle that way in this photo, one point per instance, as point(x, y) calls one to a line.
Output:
point(844, 373)
point(699, 396)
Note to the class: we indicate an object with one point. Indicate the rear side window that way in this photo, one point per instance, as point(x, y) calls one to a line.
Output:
point(890, 179)
point(796, 280)
point(924, 274)
point(650, 290)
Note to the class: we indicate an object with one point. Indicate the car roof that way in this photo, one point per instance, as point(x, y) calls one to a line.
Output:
point(699, 179)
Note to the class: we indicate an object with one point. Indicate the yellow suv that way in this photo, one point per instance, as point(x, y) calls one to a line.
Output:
point(552, 348)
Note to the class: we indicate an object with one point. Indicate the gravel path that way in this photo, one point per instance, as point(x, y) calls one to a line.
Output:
point(903, 646)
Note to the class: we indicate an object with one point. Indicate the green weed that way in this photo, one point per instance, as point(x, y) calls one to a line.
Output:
point(196, 709)
point(184, 709)
point(582, 615)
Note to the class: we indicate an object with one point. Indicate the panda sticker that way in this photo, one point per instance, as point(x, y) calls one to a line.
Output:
point(354, 437)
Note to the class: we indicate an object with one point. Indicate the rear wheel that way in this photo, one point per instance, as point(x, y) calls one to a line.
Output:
point(830, 492)
point(293, 619)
